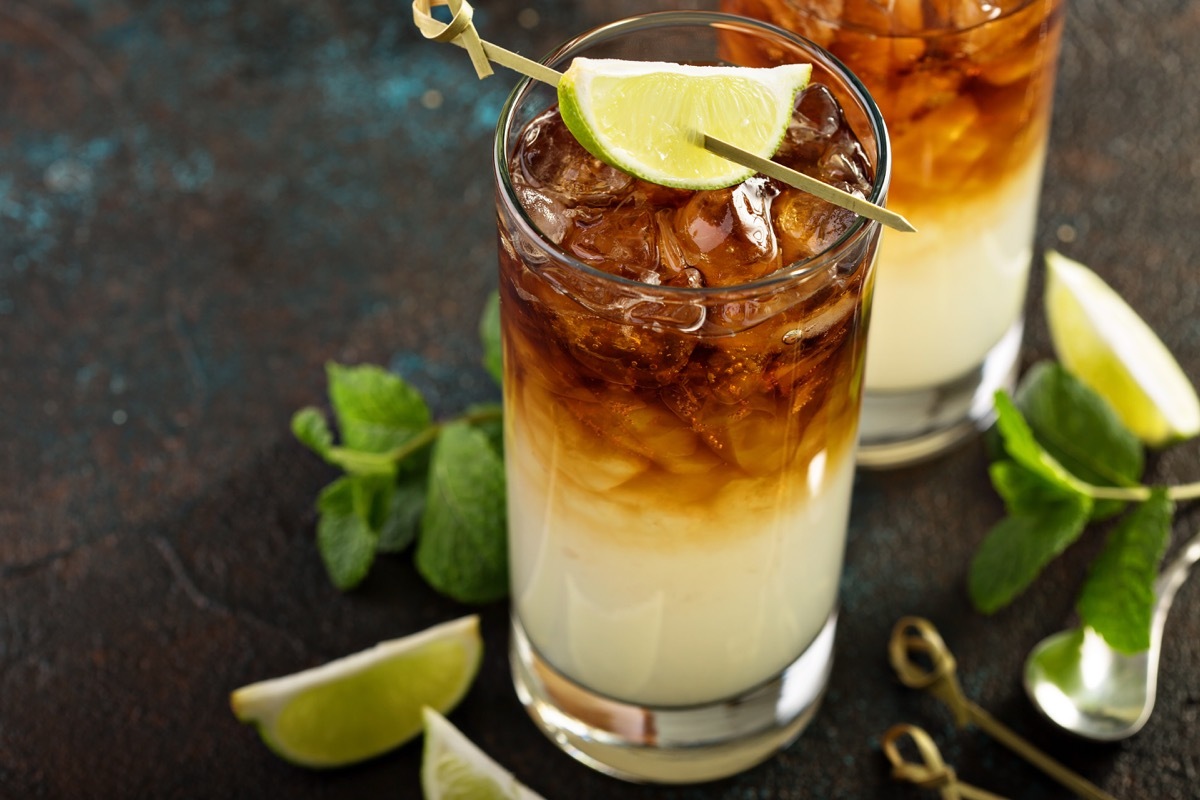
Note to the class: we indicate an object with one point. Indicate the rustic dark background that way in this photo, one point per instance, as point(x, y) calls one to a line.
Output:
point(202, 202)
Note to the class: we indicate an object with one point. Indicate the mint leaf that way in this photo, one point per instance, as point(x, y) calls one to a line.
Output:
point(400, 515)
point(489, 334)
point(1079, 429)
point(1023, 491)
point(359, 462)
point(376, 411)
point(1021, 545)
point(1117, 599)
point(1023, 447)
point(345, 535)
point(462, 551)
point(310, 427)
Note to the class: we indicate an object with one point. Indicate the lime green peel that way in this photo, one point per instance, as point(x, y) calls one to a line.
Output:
point(643, 117)
point(1104, 343)
point(454, 768)
point(365, 704)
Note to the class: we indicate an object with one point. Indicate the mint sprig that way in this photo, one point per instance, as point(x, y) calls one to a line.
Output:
point(348, 530)
point(462, 552)
point(1117, 600)
point(1044, 519)
point(1066, 461)
point(1079, 429)
point(410, 479)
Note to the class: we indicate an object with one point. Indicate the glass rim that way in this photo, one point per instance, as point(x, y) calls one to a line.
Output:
point(796, 270)
point(927, 33)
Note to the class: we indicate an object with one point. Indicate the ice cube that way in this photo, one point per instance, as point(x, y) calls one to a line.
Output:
point(652, 430)
point(546, 210)
point(889, 16)
point(815, 19)
point(818, 127)
point(586, 455)
point(817, 117)
point(735, 373)
point(930, 85)
point(845, 165)
point(831, 313)
point(550, 159)
point(688, 277)
point(621, 240)
point(727, 234)
point(625, 422)
point(808, 225)
point(947, 124)
point(623, 354)
point(752, 435)
point(1014, 43)
point(882, 62)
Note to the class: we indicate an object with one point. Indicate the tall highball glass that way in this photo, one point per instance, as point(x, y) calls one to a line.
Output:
point(682, 389)
point(966, 88)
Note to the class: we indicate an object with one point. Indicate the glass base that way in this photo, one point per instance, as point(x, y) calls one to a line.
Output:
point(689, 744)
point(900, 428)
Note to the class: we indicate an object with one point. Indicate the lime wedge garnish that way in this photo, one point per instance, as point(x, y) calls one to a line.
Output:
point(646, 117)
point(364, 704)
point(453, 768)
point(1104, 343)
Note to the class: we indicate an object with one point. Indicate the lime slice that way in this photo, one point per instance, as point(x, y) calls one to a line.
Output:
point(364, 704)
point(1103, 341)
point(453, 768)
point(646, 117)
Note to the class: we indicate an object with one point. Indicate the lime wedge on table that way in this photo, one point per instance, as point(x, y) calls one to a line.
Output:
point(453, 768)
point(1103, 342)
point(367, 703)
point(645, 117)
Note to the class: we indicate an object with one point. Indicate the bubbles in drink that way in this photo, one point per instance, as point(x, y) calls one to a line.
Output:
point(711, 388)
point(622, 354)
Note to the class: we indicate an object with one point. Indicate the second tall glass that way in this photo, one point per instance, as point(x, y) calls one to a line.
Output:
point(965, 87)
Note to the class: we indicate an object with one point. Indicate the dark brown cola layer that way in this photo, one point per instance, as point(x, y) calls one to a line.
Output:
point(625, 387)
point(965, 87)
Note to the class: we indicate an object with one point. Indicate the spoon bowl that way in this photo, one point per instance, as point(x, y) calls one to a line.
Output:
point(1084, 686)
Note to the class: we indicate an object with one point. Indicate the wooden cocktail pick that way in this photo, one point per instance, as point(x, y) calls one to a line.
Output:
point(915, 640)
point(931, 772)
point(460, 30)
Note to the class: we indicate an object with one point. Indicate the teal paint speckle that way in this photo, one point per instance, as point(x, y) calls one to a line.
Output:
point(194, 171)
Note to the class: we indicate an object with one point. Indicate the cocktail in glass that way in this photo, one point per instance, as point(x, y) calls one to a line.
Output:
point(683, 378)
point(966, 88)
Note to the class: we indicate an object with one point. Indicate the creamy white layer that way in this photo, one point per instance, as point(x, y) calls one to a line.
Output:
point(663, 602)
point(946, 295)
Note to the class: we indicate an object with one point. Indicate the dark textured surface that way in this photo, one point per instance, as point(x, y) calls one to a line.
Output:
point(201, 202)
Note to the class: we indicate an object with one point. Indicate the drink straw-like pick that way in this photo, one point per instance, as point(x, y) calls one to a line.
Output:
point(922, 661)
point(931, 772)
point(460, 30)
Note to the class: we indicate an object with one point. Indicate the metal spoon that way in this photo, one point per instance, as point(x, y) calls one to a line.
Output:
point(1085, 687)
